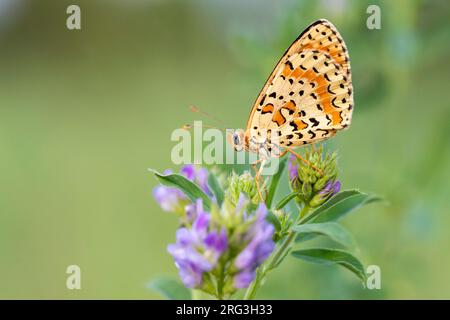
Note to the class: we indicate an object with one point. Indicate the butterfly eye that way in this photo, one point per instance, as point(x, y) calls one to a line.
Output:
point(236, 139)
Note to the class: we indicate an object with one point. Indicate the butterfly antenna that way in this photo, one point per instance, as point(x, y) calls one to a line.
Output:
point(190, 126)
point(206, 114)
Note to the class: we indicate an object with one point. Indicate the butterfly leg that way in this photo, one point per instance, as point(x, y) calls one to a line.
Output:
point(258, 176)
point(303, 159)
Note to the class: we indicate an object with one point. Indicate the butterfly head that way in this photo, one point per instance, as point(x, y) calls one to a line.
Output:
point(237, 139)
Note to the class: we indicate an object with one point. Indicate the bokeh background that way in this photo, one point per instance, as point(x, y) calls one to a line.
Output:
point(83, 114)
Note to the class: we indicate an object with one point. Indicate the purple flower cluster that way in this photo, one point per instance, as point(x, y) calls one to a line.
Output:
point(200, 246)
point(235, 238)
point(171, 199)
point(197, 248)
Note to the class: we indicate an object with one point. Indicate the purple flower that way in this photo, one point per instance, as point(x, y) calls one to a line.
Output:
point(331, 188)
point(191, 212)
point(202, 180)
point(197, 249)
point(188, 171)
point(168, 198)
point(259, 247)
point(336, 187)
point(244, 278)
point(217, 241)
point(173, 200)
point(199, 176)
point(292, 167)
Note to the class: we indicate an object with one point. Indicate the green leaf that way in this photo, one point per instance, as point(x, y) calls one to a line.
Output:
point(332, 256)
point(332, 230)
point(283, 202)
point(339, 205)
point(214, 184)
point(190, 189)
point(274, 182)
point(169, 288)
point(273, 219)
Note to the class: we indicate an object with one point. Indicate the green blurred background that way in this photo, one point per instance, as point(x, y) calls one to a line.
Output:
point(83, 114)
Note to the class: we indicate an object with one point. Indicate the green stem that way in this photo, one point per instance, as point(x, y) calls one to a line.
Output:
point(302, 213)
point(279, 254)
point(251, 290)
point(220, 282)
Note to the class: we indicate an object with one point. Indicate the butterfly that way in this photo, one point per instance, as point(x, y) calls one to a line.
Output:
point(307, 98)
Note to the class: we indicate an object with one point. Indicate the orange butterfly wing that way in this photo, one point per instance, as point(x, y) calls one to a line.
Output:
point(308, 96)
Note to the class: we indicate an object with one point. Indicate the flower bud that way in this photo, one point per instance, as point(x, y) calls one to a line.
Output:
point(317, 181)
point(242, 184)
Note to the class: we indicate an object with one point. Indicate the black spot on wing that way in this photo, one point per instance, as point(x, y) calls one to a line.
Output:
point(332, 102)
point(289, 64)
point(329, 90)
point(262, 100)
point(314, 122)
